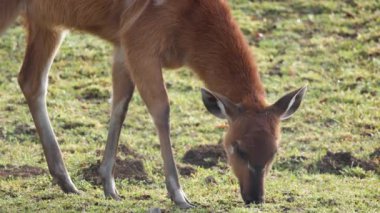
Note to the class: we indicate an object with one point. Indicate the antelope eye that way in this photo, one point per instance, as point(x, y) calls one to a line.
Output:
point(240, 153)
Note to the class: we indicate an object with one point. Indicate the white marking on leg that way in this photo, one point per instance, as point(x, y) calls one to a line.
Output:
point(128, 3)
point(118, 110)
point(179, 195)
point(158, 2)
point(116, 116)
point(119, 55)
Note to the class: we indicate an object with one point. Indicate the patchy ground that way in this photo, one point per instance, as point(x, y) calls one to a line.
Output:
point(206, 156)
point(293, 163)
point(130, 166)
point(124, 169)
point(186, 170)
point(328, 149)
point(334, 163)
point(25, 171)
point(375, 156)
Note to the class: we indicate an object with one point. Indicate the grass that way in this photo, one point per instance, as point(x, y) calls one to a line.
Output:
point(333, 46)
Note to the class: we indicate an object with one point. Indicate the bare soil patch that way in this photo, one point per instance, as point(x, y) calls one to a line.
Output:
point(24, 129)
point(375, 157)
point(25, 171)
point(123, 150)
point(186, 170)
point(128, 151)
point(143, 197)
point(334, 163)
point(206, 156)
point(210, 180)
point(132, 169)
point(94, 93)
point(128, 166)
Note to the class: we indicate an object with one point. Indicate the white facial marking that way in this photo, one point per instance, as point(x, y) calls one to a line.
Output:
point(253, 170)
point(231, 150)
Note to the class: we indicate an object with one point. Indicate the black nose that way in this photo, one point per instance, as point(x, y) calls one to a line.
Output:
point(254, 200)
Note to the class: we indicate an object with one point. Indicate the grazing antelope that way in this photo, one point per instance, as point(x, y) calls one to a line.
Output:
point(149, 35)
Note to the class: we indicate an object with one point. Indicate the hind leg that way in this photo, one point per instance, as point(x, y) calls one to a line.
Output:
point(33, 80)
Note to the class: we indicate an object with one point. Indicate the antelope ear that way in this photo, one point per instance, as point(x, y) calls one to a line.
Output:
point(286, 106)
point(219, 105)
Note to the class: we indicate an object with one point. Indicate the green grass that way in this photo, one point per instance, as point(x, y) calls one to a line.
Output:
point(333, 46)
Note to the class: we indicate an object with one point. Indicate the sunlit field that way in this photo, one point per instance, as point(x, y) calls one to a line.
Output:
point(329, 160)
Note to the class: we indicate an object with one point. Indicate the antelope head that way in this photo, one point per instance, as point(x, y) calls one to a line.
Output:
point(253, 137)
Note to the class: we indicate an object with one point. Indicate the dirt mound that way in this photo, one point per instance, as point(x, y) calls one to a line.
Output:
point(25, 129)
point(334, 163)
point(123, 150)
point(127, 151)
point(92, 92)
point(375, 156)
point(205, 156)
point(24, 171)
point(186, 170)
point(131, 169)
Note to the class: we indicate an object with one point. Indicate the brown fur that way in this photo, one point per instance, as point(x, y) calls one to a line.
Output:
point(9, 10)
point(200, 34)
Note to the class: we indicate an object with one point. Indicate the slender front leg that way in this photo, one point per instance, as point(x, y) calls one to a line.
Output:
point(123, 88)
point(149, 81)
point(33, 79)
